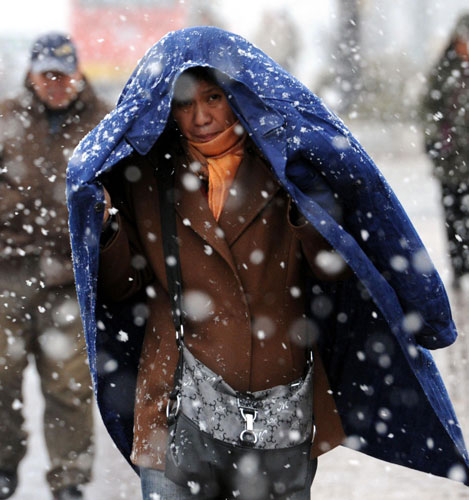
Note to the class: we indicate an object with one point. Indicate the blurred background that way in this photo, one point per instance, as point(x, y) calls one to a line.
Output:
point(366, 56)
point(369, 60)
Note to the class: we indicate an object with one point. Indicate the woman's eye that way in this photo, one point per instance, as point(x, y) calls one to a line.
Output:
point(183, 104)
point(214, 97)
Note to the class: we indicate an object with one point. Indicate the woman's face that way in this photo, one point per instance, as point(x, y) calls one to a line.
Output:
point(201, 109)
point(462, 48)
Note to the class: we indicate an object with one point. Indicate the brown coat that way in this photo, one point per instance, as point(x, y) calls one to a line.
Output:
point(243, 280)
point(33, 162)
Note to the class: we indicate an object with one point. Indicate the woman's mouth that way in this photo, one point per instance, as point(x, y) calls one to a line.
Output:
point(206, 137)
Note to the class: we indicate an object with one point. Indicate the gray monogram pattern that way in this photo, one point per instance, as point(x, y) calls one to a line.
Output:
point(279, 417)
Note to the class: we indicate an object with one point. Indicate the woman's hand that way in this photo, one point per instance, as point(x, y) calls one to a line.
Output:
point(107, 205)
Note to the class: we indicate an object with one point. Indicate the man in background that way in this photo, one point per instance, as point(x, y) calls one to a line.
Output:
point(279, 37)
point(39, 315)
point(445, 116)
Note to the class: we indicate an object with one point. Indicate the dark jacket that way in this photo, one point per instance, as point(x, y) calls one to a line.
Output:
point(33, 161)
point(446, 113)
point(376, 356)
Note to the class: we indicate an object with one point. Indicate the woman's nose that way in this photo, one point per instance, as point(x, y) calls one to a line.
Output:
point(201, 116)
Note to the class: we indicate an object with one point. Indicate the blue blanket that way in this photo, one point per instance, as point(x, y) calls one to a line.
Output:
point(391, 398)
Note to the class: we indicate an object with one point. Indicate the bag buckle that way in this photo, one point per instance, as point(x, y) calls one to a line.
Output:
point(172, 408)
point(180, 333)
point(248, 436)
point(314, 433)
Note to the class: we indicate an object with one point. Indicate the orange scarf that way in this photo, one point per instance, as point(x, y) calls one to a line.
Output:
point(221, 157)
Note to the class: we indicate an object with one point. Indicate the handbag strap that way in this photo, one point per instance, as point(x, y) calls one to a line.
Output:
point(166, 196)
point(166, 200)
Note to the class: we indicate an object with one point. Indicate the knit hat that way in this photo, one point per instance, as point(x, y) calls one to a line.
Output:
point(54, 52)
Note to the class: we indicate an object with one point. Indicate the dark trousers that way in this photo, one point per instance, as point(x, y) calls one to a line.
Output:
point(156, 485)
point(43, 323)
point(455, 200)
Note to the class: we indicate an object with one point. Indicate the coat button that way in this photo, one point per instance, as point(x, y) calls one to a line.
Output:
point(99, 207)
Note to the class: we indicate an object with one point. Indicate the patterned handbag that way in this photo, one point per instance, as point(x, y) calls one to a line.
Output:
point(223, 443)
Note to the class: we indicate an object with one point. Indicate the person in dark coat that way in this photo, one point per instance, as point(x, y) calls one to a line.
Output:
point(278, 36)
point(446, 122)
point(39, 314)
point(280, 213)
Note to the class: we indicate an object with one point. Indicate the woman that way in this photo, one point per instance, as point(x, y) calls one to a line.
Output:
point(269, 210)
point(446, 120)
point(245, 314)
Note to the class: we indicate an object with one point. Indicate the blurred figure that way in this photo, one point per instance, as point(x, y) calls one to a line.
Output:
point(203, 14)
point(278, 37)
point(446, 118)
point(39, 315)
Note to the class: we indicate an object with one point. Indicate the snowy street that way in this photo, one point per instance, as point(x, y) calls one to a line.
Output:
point(342, 474)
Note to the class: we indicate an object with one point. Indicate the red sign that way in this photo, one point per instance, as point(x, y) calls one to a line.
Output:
point(112, 35)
